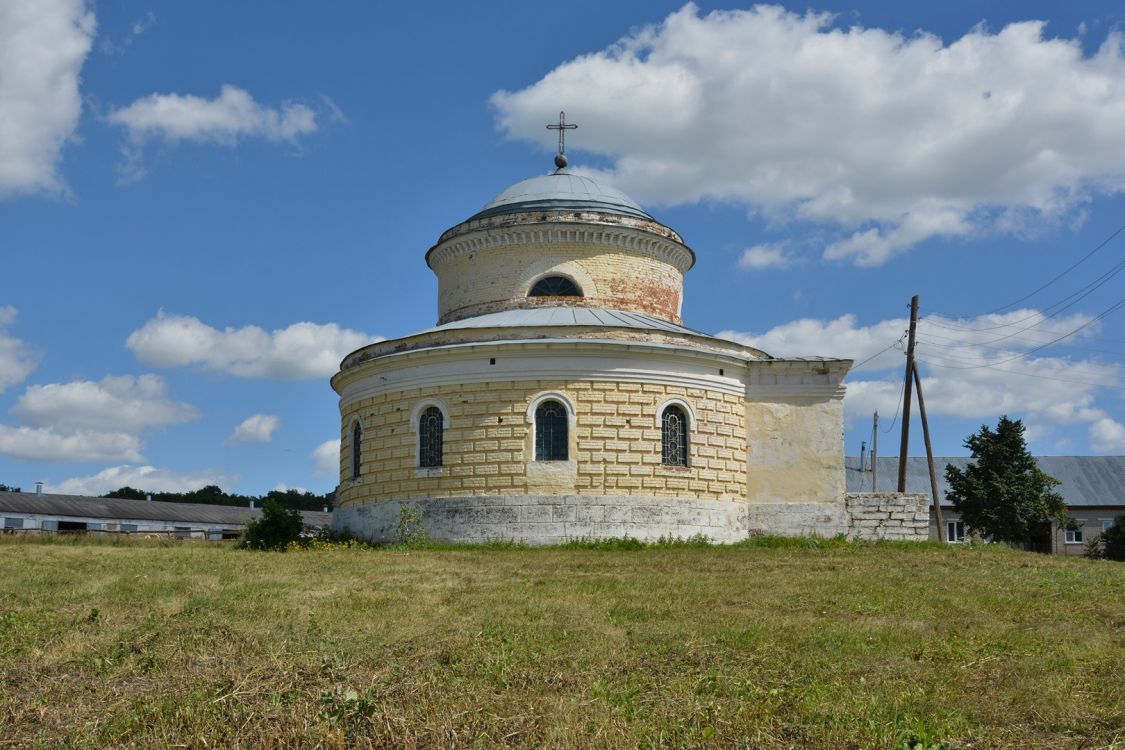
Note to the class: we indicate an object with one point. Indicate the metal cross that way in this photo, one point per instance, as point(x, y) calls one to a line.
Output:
point(562, 127)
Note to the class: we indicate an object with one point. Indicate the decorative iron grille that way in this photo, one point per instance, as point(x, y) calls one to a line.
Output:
point(551, 432)
point(674, 446)
point(357, 441)
point(555, 286)
point(431, 431)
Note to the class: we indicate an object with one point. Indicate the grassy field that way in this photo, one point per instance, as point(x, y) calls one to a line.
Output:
point(774, 645)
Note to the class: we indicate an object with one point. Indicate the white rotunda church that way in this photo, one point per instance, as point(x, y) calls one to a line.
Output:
point(560, 395)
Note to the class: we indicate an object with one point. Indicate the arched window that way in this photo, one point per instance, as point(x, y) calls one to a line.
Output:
point(551, 437)
point(674, 436)
point(431, 430)
point(357, 441)
point(555, 286)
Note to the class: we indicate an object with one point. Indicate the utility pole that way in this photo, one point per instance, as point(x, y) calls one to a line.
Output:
point(874, 451)
point(929, 455)
point(904, 446)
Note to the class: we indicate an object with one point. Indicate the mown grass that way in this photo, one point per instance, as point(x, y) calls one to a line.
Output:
point(774, 644)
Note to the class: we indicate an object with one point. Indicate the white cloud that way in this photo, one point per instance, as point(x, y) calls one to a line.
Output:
point(888, 139)
point(43, 45)
point(258, 428)
point(114, 48)
point(230, 117)
point(46, 444)
point(326, 458)
point(283, 487)
point(303, 350)
point(976, 368)
point(764, 256)
point(1107, 436)
point(144, 478)
point(17, 360)
point(116, 402)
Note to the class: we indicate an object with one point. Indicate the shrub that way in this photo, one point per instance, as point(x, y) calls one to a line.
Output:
point(1113, 539)
point(276, 528)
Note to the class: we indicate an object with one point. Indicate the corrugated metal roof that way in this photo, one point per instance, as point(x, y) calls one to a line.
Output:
point(1086, 480)
point(561, 192)
point(139, 510)
point(565, 316)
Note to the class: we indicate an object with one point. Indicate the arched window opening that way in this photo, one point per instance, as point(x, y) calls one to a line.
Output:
point(674, 437)
point(431, 432)
point(555, 286)
point(357, 441)
point(551, 422)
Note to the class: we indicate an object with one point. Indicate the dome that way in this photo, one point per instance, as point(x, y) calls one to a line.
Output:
point(561, 192)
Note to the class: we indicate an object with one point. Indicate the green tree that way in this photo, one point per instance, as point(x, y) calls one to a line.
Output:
point(6, 488)
point(1113, 539)
point(275, 529)
point(1003, 494)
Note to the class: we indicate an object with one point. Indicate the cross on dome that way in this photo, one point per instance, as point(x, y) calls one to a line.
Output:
point(562, 127)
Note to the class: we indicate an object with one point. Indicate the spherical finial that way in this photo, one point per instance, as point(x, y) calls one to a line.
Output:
point(560, 161)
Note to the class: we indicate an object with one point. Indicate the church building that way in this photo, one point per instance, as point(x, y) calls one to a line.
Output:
point(561, 396)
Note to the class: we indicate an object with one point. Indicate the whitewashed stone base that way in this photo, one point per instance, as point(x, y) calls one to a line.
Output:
point(888, 515)
point(554, 519)
point(548, 519)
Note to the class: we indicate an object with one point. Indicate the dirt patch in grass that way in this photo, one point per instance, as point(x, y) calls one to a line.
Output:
point(758, 646)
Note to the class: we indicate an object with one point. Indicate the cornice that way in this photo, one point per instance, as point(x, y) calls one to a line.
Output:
point(637, 240)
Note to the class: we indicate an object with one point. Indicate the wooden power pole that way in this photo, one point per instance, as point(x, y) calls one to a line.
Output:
point(929, 454)
point(908, 377)
point(874, 452)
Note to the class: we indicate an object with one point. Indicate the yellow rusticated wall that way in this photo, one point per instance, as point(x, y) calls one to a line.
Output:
point(615, 445)
point(796, 450)
point(499, 279)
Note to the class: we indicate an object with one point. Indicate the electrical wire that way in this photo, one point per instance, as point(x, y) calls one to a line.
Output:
point(1077, 263)
point(881, 351)
point(944, 366)
point(1105, 313)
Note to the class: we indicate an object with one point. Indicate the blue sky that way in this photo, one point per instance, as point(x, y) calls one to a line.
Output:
point(203, 206)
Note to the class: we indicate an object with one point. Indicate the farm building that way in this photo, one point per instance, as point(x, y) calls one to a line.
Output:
point(22, 512)
point(1092, 486)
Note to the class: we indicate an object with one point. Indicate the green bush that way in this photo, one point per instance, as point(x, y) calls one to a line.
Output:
point(1113, 539)
point(275, 530)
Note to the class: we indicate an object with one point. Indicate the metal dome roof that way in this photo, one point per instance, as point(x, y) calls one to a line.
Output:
point(561, 192)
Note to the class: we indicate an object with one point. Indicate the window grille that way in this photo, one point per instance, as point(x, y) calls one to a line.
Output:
point(555, 286)
point(357, 441)
point(551, 423)
point(431, 431)
point(674, 437)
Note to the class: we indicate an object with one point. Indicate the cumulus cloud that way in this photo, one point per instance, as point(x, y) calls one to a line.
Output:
point(43, 45)
point(764, 256)
point(258, 428)
point(326, 458)
point(47, 444)
point(231, 117)
point(116, 402)
point(144, 478)
point(303, 350)
point(976, 368)
point(17, 359)
point(886, 139)
point(1107, 436)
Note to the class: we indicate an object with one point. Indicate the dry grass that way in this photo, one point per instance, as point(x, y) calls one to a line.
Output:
point(790, 646)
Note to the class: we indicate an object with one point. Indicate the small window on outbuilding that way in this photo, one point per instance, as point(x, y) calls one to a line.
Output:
point(13, 523)
point(357, 441)
point(1074, 533)
point(551, 436)
point(955, 531)
point(555, 286)
point(674, 436)
point(431, 433)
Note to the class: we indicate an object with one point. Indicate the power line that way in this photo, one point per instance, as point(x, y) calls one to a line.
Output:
point(881, 351)
point(1105, 313)
point(1027, 375)
point(1055, 278)
point(984, 344)
point(1077, 263)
